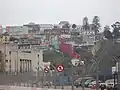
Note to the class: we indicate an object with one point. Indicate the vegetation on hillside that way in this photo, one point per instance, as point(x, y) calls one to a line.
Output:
point(57, 58)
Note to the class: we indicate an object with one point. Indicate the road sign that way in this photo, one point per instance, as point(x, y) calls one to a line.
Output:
point(113, 70)
point(46, 70)
point(75, 62)
point(60, 68)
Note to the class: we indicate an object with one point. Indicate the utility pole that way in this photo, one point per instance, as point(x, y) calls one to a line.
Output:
point(37, 77)
point(63, 73)
point(97, 75)
point(116, 59)
point(72, 79)
point(10, 62)
point(83, 76)
point(17, 61)
point(119, 77)
point(118, 73)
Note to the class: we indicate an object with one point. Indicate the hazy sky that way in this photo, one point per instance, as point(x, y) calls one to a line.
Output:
point(18, 12)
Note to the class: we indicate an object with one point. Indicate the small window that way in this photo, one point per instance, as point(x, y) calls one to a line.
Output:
point(6, 61)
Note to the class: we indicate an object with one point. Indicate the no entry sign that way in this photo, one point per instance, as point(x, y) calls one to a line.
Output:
point(60, 68)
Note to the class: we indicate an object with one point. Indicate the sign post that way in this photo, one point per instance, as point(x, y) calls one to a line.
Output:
point(114, 70)
point(75, 62)
point(46, 70)
point(60, 68)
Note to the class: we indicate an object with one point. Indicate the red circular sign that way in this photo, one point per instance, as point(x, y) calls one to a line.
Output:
point(46, 70)
point(60, 68)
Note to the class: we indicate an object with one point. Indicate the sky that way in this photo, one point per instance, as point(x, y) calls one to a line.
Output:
point(19, 12)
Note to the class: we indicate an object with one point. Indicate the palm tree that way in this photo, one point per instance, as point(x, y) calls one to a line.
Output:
point(96, 25)
point(85, 23)
point(107, 32)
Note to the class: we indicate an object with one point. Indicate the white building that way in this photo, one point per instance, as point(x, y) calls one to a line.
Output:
point(21, 60)
point(45, 26)
point(17, 30)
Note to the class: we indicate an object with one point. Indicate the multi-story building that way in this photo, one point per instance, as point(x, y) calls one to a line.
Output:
point(33, 28)
point(45, 26)
point(21, 58)
point(17, 31)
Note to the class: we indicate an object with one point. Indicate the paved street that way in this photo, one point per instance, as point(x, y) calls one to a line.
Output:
point(68, 88)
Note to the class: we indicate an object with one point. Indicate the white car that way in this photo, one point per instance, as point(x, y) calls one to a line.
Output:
point(110, 83)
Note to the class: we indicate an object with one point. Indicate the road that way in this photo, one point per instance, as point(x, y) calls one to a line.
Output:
point(68, 88)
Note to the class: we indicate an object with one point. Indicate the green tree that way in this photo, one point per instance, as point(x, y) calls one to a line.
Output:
point(56, 58)
point(116, 28)
point(107, 32)
point(85, 23)
point(74, 26)
point(96, 25)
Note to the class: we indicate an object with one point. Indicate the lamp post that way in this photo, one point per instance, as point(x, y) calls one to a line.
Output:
point(37, 77)
point(84, 74)
point(10, 62)
point(72, 80)
point(17, 61)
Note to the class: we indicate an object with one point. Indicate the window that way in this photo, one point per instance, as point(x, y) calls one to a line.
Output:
point(6, 61)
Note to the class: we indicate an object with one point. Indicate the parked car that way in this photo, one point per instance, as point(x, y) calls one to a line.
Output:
point(102, 85)
point(88, 82)
point(80, 81)
point(93, 83)
point(110, 83)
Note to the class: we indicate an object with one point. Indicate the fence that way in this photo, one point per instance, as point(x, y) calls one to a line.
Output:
point(3, 87)
point(29, 79)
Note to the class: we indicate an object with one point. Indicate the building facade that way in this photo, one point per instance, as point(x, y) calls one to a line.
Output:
point(21, 59)
point(17, 31)
point(33, 28)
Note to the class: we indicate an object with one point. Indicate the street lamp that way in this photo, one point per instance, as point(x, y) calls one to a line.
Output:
point(10, 62)
point(37, 77)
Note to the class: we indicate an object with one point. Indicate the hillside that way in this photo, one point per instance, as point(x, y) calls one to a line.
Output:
point(56, 58)
point(109, 50)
